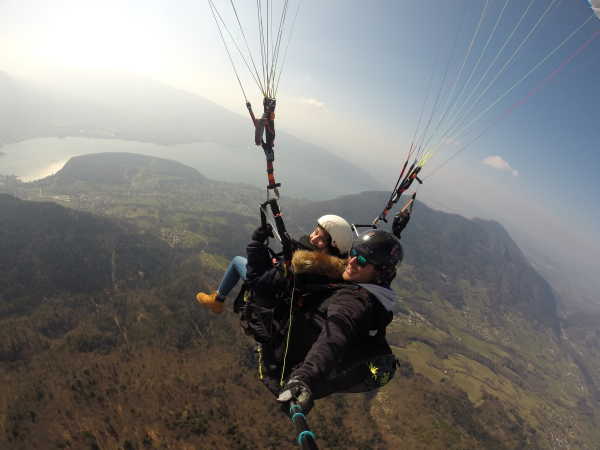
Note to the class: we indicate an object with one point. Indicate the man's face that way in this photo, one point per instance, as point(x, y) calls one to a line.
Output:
point(359, 271)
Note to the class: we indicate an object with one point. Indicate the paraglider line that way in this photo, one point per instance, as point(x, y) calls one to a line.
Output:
point(257, 78)
point(217, 14)
point(554, 73)
point(525, 99)
point(456, 134)
point(288, 336)
point(458, 120)
point(459, 76)
point(289, 39)
point(460, 109)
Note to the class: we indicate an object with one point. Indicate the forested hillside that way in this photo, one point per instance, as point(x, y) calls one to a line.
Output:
point(103, 346)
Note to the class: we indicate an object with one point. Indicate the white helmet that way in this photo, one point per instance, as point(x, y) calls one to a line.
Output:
point(339, 230)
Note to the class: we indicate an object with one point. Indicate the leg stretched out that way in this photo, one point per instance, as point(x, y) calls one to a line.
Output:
point(215, 301)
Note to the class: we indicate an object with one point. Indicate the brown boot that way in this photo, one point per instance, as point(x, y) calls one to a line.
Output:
point(212, 301)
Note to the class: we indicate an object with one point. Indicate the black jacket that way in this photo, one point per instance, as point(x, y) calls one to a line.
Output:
point(345, 330)
point(272, 280)
point(335, 326)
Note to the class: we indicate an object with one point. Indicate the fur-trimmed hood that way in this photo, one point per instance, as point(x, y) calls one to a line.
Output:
point(318, 263)
point(314, 263)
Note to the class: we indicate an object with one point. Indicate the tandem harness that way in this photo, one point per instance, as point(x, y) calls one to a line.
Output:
point(267, 322)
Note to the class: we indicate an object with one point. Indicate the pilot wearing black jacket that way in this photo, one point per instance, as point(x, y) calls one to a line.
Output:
point(337, 339)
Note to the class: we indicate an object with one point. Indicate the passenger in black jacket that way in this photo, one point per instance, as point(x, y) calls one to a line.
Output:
point(272, 284)
point(332, 235)
point(337, 340)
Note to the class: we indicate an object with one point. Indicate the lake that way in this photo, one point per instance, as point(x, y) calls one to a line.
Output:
point(34, 159)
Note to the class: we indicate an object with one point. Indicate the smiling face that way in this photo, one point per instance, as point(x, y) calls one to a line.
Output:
point(320, 238)
point(359, 273)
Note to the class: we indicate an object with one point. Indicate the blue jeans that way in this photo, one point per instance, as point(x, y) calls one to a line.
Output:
point(235, 271)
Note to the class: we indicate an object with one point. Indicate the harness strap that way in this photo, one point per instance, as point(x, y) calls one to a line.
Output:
point(264, 136)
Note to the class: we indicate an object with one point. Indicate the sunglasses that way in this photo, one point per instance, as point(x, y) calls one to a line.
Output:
point(360, 259)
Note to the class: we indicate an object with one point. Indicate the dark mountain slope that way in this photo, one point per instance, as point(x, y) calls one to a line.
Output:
point(46, 249)
point(446, 248)
point(146, 367)
point(163, 197)
point(443, 248)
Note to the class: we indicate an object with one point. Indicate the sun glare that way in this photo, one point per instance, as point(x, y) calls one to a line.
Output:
point(99, 36)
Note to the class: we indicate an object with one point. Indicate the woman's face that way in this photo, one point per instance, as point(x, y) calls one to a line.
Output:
point(359, 273)
point(319, 238)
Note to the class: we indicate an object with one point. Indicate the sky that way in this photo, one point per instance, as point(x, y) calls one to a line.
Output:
point(359, 75)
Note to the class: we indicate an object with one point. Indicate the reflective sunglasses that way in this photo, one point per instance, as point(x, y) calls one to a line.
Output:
point(360, 259)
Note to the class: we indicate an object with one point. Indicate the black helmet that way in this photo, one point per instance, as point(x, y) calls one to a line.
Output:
point(378, 247)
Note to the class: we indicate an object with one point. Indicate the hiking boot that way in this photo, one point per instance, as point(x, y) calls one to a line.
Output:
point(213, 301)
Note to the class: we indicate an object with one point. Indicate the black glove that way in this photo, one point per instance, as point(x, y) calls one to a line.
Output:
point(261, 234)
point(298, 391)
point(400, 222)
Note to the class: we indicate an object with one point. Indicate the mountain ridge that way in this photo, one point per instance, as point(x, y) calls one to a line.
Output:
point(147, 111)
point(444, 246)
point(477, 369)
point(434, 238)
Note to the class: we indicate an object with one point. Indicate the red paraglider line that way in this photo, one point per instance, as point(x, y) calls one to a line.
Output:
point(522, 101)
point(553, 75)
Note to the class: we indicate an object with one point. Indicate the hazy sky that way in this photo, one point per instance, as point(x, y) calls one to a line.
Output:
point(357, 76)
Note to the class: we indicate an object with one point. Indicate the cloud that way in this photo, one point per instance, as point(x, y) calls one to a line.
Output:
point(497, 162)
point(312, 102)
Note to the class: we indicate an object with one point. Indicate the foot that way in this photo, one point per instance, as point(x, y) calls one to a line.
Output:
point(213, 301)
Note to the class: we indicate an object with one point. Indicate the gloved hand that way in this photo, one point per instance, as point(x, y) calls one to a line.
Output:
point(400, 222)
point(261, 234)
point(297, 390)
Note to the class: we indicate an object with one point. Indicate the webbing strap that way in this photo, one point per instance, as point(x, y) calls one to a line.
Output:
point(264, 136)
